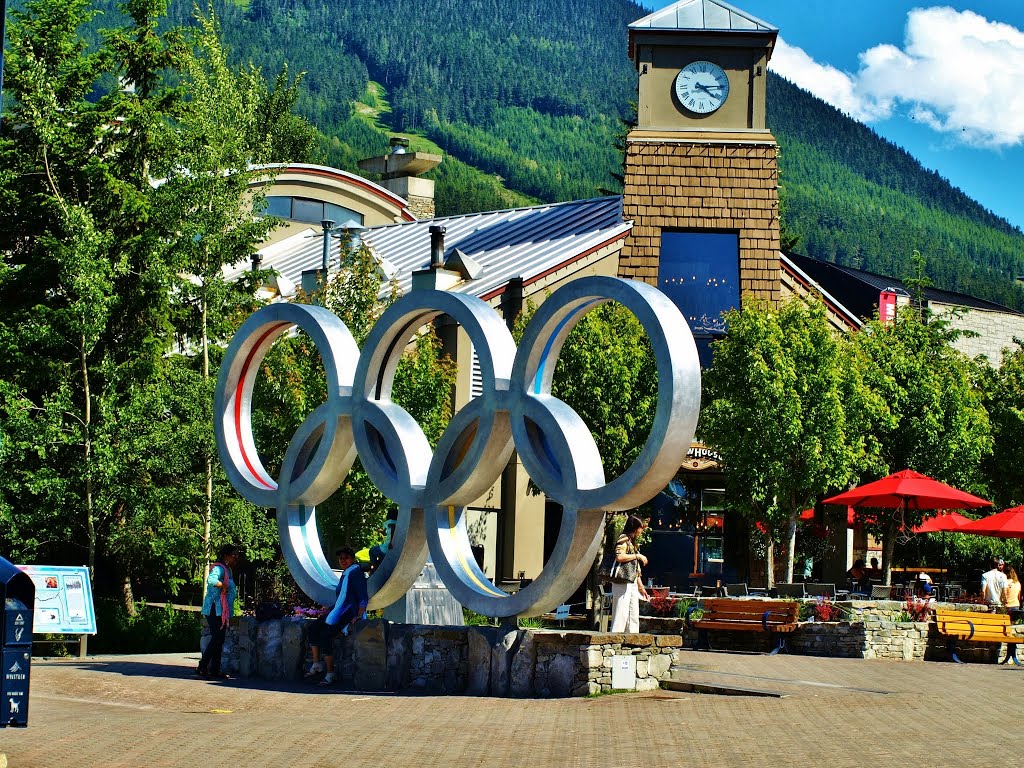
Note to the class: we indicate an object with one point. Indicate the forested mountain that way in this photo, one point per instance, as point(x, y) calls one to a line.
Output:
point(526, 98)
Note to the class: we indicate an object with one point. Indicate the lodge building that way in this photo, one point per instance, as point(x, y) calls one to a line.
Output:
point(698, 218)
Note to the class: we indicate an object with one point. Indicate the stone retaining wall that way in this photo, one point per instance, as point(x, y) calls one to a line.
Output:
point(480, 661)
point(873, 631)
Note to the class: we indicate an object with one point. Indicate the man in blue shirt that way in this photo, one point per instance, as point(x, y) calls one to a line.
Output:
point(349, 606)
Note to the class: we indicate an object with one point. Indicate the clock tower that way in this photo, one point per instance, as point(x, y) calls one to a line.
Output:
point(701, 177)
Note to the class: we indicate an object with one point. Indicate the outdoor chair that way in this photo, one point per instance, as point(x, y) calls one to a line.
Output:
point(821, 590)
point(736, 590)
point(881, 592)
point(709, 591)
point(859, 589)
point(952, 591)
point(790, 590)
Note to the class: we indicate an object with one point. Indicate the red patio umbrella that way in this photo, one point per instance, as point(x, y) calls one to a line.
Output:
point(1008, 524)
point(908, 490)
point(851, 516)
point(951, 521)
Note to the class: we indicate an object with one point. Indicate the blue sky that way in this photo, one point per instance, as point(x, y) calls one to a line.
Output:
point(945, 81)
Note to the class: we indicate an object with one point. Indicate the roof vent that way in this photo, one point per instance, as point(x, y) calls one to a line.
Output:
point(436, 246)
point(463, 264)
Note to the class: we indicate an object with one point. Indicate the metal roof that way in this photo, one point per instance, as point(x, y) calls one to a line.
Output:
point(858, 290)
point(706, 15)
point(837, 306)
point(520, 242)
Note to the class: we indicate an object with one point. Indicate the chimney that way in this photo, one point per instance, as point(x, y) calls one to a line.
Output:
point(436, 276)
point(436, 246)
point(400, 172)
point(511, 301)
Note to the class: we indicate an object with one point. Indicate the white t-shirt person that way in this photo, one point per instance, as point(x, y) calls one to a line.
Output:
point(992, 585)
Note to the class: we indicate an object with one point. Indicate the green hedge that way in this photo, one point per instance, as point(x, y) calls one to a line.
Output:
point(151, 630)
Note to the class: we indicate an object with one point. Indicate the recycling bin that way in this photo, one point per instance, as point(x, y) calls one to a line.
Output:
point(17, 597)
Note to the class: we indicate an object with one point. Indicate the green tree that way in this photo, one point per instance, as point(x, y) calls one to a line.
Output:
point(67, 276)
point(607, 374)
point(207, 200)
point(1004, 401)
point(937, 423)
point(775, 411)
point(100, 423)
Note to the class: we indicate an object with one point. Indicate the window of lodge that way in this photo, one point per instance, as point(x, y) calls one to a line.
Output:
point(309, 210)
point(700, 273)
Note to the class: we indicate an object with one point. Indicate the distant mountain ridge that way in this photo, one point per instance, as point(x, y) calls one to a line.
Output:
point(526, 101)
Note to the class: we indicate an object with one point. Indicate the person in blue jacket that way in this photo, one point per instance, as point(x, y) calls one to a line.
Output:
point(349, 606)
point(218, 605)
point(379, 551)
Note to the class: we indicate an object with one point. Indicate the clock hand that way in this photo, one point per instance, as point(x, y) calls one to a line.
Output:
point(708, 88)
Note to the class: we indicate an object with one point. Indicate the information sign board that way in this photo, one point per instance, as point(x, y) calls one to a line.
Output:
point(63, 599)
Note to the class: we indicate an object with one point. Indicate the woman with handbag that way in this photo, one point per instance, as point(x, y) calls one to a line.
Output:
point(218, 607)
point(627, 584)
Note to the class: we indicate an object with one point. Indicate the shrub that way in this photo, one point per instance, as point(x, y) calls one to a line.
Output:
point(684, 606)
point(915, 609)
point(151, 630)
point(825, 610)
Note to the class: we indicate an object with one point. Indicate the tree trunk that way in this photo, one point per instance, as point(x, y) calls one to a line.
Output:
point(888, 547)
point(90, 522)
point(208, 506)
point(128, 596)
point(770, 561)
point(790, 547)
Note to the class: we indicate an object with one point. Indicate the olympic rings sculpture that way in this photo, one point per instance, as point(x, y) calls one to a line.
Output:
point(515, 411)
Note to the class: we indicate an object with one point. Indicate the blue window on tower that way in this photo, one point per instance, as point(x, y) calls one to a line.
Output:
point(700, 272)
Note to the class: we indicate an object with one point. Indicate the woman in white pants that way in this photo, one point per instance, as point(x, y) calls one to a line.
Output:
point(626, 596)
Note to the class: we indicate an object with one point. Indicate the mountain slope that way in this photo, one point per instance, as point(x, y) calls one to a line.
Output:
point(526, 100)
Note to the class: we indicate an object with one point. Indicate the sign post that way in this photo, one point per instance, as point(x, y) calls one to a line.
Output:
point(63, 602)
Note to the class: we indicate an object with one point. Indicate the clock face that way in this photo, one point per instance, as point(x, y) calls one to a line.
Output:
point(702, 87)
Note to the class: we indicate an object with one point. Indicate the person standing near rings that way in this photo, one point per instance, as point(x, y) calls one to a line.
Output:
point(1011, 593)
point(218, 607)
point(626, 595)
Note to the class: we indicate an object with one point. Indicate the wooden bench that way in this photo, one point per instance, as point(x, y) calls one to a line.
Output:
point(777, 617)
point(977, 628)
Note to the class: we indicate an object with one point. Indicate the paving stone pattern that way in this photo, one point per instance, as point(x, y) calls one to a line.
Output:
point(150, 711)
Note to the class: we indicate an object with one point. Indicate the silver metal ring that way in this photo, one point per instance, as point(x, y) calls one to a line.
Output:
point(431, 488)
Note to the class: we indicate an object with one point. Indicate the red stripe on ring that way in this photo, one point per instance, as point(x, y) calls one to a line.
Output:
point(238, 405)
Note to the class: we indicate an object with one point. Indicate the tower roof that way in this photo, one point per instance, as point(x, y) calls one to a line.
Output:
point(706, 15)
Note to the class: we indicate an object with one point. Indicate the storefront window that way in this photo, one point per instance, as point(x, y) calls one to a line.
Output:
point(700, 272)
point(713, 507)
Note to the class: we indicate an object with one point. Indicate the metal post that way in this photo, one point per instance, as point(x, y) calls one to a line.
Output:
point(328, 225)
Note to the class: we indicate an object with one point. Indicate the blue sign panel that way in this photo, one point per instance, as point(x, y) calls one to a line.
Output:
point(14, 688)
point(63, 599)
point(17, 622)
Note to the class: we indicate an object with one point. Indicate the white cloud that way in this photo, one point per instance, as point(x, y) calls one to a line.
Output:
point(957, 72)
point(823, 80)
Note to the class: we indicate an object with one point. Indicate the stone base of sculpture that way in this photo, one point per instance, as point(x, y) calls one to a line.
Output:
point(470, 661)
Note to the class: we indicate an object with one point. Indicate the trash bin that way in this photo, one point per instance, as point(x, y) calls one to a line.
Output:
point(17, 598)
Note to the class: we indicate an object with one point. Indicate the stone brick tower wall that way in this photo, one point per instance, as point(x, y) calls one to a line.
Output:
point(422, 207)
point(703, 186)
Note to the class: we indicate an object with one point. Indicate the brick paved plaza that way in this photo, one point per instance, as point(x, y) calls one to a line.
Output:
point(150, 711)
